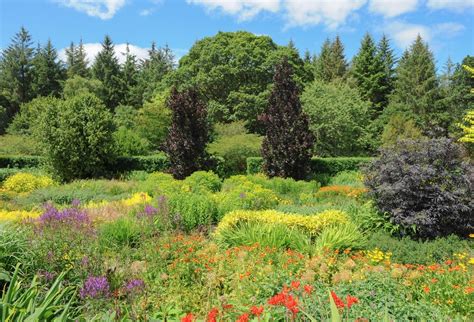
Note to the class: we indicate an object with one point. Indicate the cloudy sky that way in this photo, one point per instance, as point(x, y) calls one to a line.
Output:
point(448, 25)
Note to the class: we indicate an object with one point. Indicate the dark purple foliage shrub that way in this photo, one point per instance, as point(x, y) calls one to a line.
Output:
point(424, 184)
point(188, 134)
point(288, 145)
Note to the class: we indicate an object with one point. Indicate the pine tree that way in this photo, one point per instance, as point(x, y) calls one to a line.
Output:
point(130, 80)
point(106, 68)
point(81, 62)
point(416, 87)
point(16, 71)
point(369, 73)
point(71, 60)
point(308, 62)
point(48, 71)
point(322, 62)
point(288, 144)
point(385, 54)
point(331, 63)
point(188, 134)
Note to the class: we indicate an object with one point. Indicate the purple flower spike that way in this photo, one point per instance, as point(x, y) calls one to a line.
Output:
point(134, 285)
point(95, 287)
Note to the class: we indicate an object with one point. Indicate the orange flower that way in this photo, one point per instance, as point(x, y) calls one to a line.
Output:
point(256, 310)
point(426, 289)
point(243, 318)
point(351, 300)
point(295, 285)
point(188, 318)
point(212, 316)
point(339, 303)
point(308, 289)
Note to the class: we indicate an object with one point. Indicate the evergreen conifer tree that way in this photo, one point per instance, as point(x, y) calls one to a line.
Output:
point(48, 71)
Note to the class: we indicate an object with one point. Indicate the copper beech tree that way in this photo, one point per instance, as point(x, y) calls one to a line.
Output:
point(288, 145)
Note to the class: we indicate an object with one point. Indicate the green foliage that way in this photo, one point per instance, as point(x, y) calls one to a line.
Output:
point(233, 70)
point(347, 178)
point(130, 143)
point(331, 63)
point(338, 119)
point(285, 187)
point(3, 119)
point(288, 143)
point(14, 248)
point(76, 61)
point(369, 219)
point(234, 145)
point(78, 85)
point(78, 138)
point(400, 128)
point(204, 181)
point(276, 236)
point(26, 120)
point(30, 303)
point(153, 120)
point(18, 145)
point(125, 116)
point(192, 210)
point(409, 251)
point(148, 163)
point(48, 71)
point(340, 237)
point(25, 161)
point(122, 232)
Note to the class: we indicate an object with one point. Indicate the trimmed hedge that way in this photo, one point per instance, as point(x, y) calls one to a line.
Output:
point(329, 166)
point(149, 163)
point(23, 161)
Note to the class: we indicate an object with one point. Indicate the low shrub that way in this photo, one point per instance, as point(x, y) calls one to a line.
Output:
point(130, 143)
point(123, 232)
point(191, 210)
point(285, 187)
point(339, 237)
point(311, 225)
point(204, 181)
point(18, 215)
point(368, 218)
point(348, 178)
point(159, 183)
point(7, 172)
point(148, 163)
point(23, 182)
point(425, 187)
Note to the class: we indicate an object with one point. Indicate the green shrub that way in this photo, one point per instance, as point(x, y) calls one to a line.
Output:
point(368, 218)
point(18, 145)
point(235, 150)
point(342, 236)
point(408, 251)
point(266, 235)
point(191, 210)
point(254, 165)
point(204, 181)
point(122, 232)
point(130, 143)
point(159, 183)
point(78, 138)
point(148, 163)
point(25, 161)
point(6, 172)
point(347, 178)
point(285, 187)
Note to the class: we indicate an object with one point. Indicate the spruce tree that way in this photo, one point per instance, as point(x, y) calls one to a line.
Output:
point(322, 62)
point(188, 134)
point(130, 80)
point(386, 56)
point(288, 144)
point(48, 71)
point(16, 71)
point(368, 72)
point(331, 63)
point(76, 61)
point(106, 68)
point(416, 87)
point(70, 59)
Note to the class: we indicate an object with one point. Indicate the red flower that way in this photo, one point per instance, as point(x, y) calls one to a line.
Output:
point(243, 318)
point(308, 289)
point(339, 303)
point(295, 285)
point(426, 289)
point(211, 317)
point(227, 306)
point(351, 300)
point(188, 318)
point(256, 310)
point(277, 299)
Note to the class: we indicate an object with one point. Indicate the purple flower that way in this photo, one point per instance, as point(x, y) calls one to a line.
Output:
point(48, 277)
point(52, 216)
point(95, 287)
point(149, 211)
point(75, 203)
point(134, 285)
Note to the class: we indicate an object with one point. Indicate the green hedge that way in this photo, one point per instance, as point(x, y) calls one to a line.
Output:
point(149, 163)
point(6, 172)
point(23, 161)
point(328, 166)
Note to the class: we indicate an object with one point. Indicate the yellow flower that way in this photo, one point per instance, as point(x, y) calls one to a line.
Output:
point(6, 215)
point(471, 261)
point(471, 235)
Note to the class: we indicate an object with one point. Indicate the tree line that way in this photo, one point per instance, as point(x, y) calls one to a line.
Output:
point(353, 106)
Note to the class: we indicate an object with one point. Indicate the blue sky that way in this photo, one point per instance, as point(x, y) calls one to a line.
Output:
point(448, 25)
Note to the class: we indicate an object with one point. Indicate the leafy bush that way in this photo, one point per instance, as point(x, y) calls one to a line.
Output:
point(368, 218)
point(78, 138)
point(285, 187)
point(148, 163)
point(130, 143)
point(276, 236)
point(408, 251)
point(123, 232)
point(160, 183)
point(400, 128)
point(7, 172)
point(26, 182)
point(191, 210)
point(18, 145)
point(340, 236)
point(348, 178)
point(311, 225)
point(424, 185)
point(204, 181)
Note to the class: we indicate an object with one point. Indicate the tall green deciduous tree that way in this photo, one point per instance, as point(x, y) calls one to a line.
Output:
point(76, 61)
point(106, 68)
point(416, 87)
point(368, 72)
point(130, 75)
point(159, 63)
point(331, 63)
point(188, 134)
point(288, 144)
point(16, 71)
point(49, 72)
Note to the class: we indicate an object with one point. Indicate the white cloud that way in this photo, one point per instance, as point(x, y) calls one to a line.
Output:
point(392, 8)
point(331, 13)
point(405, 33)
point(103, 9)
point(456, 5)
point(448, 29)
point(243, 9)
point(146, 12)
point(92, 49)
